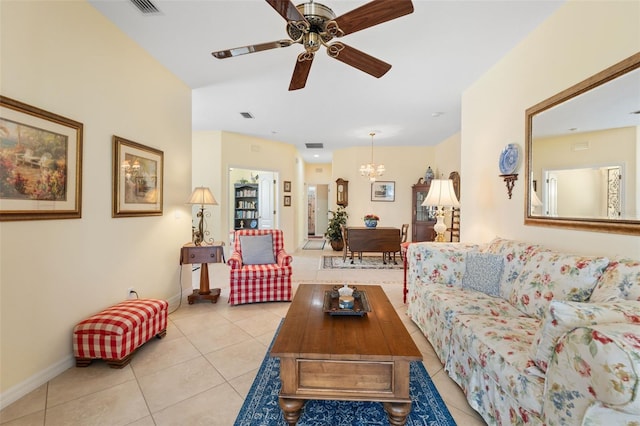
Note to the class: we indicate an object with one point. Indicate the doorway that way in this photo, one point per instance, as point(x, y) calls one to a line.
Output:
point(252, 199)
point(600, 194)
point(317, 210)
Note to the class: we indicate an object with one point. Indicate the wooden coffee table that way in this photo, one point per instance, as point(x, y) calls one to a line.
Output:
point(348, 358)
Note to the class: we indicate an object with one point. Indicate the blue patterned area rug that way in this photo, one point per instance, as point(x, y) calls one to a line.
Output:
point(261, 406)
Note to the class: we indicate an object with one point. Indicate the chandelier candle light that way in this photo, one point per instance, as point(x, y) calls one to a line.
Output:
point(371, 170)
point(202, 196)
point(441, 195)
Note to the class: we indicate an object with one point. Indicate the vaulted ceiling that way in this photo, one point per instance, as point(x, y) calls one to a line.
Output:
point(436, 52)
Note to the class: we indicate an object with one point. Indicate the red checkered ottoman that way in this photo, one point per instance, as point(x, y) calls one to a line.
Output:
point(115, 333)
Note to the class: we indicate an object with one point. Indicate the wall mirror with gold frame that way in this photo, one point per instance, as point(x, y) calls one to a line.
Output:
point(583, 154)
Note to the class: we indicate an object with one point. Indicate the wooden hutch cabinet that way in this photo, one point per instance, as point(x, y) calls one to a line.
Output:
point(422, 218)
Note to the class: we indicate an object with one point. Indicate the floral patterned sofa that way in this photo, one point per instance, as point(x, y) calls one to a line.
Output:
point(531, 335)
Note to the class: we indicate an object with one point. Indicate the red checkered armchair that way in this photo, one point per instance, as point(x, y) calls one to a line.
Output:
point(262, 282)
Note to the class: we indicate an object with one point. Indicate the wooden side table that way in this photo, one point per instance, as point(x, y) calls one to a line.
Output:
point(204, 255)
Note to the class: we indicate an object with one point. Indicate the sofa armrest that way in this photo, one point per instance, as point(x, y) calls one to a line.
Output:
point(235, 261)
point(595, 366)
point(283, 258)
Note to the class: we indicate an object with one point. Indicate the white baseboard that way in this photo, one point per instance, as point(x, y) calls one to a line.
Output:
point(16, 392)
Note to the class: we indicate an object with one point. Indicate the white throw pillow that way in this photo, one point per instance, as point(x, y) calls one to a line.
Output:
point(257, 249)
point(483, 272)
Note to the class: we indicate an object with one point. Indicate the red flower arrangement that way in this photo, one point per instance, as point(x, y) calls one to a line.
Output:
point(371, 217)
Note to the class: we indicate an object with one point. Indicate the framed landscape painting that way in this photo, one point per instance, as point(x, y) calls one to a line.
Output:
point(40, 164)
point(137, 179)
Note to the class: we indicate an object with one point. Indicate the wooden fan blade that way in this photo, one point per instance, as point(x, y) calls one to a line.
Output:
point(357, 59)
point(301, 71)
point(222, 54)
point(368, 15)
point(287, 10)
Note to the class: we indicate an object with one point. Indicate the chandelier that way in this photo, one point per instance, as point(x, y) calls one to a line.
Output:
point(371, 170)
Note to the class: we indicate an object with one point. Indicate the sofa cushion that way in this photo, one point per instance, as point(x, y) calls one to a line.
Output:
point(259, 272)
point(563, 316)
point(499, 347)
point(483, 272)
point(257, 249)
point(551, 275)
point(435, 307)
point(516, 254)
point(621, 280)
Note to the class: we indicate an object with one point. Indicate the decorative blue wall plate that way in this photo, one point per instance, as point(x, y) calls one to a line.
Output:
point(509, 158)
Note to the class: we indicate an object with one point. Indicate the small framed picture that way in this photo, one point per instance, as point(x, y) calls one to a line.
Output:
point(383, 191)
point(287, 200)
point(137, 179)
point(287, 186)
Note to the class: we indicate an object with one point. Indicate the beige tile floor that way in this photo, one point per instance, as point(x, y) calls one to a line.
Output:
point(201, 372)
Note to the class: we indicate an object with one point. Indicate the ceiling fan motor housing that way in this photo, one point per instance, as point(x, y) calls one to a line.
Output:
point(317, 15)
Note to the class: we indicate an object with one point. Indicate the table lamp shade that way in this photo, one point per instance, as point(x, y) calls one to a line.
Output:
point(441, 194)
point(535, 200)
point(202, 195)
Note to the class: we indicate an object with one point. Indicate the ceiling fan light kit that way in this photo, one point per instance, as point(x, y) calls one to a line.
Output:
point(313, 25)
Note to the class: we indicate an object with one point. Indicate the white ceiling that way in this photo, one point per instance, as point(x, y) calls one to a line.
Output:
point(436, 52)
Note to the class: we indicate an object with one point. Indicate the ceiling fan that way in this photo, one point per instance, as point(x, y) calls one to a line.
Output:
point(313, 25)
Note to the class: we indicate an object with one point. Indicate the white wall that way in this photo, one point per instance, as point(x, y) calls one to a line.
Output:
point(447, 157)
point(206, 171)
point(404, 166)
point(579, 40)
point(216, 152)
point(66, 58)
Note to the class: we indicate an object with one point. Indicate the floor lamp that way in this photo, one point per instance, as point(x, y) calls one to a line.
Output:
point(441, 195)
point(202, 196)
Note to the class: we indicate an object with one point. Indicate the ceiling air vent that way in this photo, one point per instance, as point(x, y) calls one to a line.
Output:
point(145, 6)
point(246, 114)
point(314, 145)
point(580, 146)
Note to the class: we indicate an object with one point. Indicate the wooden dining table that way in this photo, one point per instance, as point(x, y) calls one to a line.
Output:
point(385, 240)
